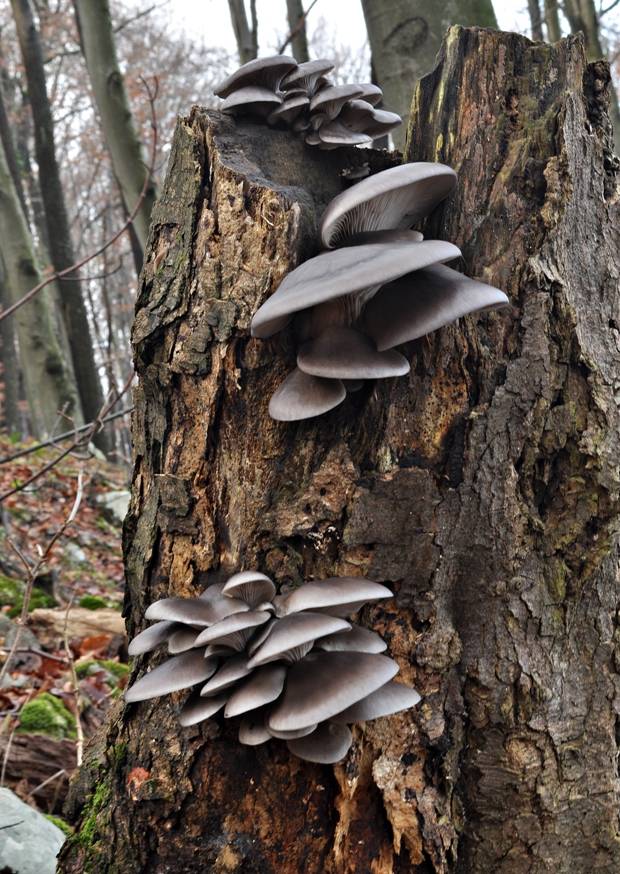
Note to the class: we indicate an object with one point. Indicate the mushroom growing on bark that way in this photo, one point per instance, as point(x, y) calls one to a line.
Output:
point(292, 666)
point(380, 284)
point(300, 97)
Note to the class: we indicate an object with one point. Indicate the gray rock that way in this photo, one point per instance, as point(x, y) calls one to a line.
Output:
point(115, 504)
point(30, 842)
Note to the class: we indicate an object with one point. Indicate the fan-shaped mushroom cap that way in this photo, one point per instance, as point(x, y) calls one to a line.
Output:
point(390, 236)
point(370, 93)
point(344, 271)
point(234, 630)
point(151, 637)
point(182, 639)
point(333, 592)
point(329, 101)
point(195, 611)
point(288, 111)
point(228, 674)
point(325, 683)
point(394, 198)
point(424, 302)
point(382, 123)
point(306, 75)
point(289, 735)
point(265, 72)
point(337, 134)
point(327, 745)
point(197, 709)
point(356, 114)
point(294, 631)
point(252, 731)
point(302, 396)
point(179, 672)
point(387, 700)
point(262, 687)
point(341, 352)
point(250, 586)
point(252, 99)
point(260, 636)
point(356, 640)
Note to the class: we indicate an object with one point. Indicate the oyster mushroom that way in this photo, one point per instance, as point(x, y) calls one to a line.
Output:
point(292, 634)
point(250, 586)
point(260, 72)
point(306, 76)
point(253, 100)
point(329, 101)
point(302, 396)
point(179, 672)
point(328, 744)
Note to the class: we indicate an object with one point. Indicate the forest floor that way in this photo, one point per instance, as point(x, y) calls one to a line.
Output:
point(70, 663)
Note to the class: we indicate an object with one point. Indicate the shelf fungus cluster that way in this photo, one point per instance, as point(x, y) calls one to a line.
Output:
point(301, 97)
point(290, 666)
point(378, 285)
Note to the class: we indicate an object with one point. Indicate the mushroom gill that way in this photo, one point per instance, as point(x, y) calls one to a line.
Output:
point(378, 285)
point(291, 669)
point(300, 97)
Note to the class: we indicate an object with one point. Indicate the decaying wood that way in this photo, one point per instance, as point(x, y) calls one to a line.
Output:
point(483, 489)
point(38, 764)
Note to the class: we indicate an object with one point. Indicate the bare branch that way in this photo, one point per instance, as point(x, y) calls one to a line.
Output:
point(297, 28)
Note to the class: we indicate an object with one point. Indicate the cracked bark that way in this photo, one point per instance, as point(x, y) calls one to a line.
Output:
point(484, 489)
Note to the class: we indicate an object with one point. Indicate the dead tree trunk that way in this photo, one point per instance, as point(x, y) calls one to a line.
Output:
point(484, 489)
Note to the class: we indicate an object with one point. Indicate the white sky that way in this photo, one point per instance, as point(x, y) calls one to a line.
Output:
point(209, 20)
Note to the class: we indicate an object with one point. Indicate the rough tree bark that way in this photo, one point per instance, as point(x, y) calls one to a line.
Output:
point(484, 489)
point(405, 36)
point(99, 49)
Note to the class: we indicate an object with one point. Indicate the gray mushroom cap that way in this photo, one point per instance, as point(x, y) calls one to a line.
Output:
point(294, 631)
point(341, 352)
point(232, 670)
point(344, 271)
point(387, 236)
point(330, 100)
point(356, 640)
point(289, 109)
point(370, 93)
point(330, 593)
point(252, 730)
point(392, 199)
point(197, 709)
point(252, 99)
point(337, 134)
point(265, 72)
point(262, 687)
point(326, 746)
point(231, 630)
point(182, 639)
point(302, 396)
point(151, 638)
point(389, 699)
point(195, 611)
point(250, 586)
point(424, 302)
point(307, 75)
point(179, 672)
point(326, 683)
point(288, 735)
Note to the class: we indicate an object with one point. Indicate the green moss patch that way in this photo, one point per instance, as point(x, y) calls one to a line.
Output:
point(59, 823)
point(46, 714)
point(115, 670)
point(12, 595)
point(93, 602)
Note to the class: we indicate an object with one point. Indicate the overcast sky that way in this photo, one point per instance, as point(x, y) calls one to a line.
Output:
point(210, 20)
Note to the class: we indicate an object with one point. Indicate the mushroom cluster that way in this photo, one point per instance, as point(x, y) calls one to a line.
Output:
point(300, 96)
point(290, 665)
point(378, 285)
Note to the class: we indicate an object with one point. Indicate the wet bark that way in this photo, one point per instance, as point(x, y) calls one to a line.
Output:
point(484, 489)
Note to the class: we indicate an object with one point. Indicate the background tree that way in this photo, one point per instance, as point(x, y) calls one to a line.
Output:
point(536, 19)
point(296, 18)
point(484, 488)
point(59, 241)
point(405, 36)
point(246, 34)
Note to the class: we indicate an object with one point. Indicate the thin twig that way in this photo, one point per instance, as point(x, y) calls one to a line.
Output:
point(79, 747)
point(34, 569)
point(298, 27)
point(60, 274)
point(60, 437)
point(45, 782)
point(35, 651)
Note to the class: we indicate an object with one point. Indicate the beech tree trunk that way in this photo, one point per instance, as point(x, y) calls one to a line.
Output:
point(295, 16)
point(405, 36)
point(484, 489)
point(246, 34)
point(552, 21)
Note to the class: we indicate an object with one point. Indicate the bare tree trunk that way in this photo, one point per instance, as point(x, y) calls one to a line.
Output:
point(246, 35)
point(535, 19)
point(405, 36)
point(61, 249)
point(297, 27)
point(10, 367)
point(552, 21)
point(583, 18)
point(49, 383)
point(97, 39)
point(484, 488)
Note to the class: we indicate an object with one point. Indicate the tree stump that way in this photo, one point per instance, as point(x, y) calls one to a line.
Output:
point(484, 489)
